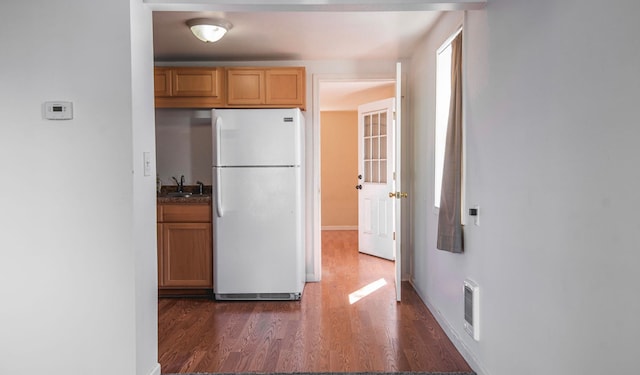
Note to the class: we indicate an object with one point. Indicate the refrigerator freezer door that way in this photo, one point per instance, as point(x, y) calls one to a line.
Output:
point(258, 240)
point(257, 137)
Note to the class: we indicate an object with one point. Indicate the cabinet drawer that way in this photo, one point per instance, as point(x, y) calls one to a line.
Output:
point(191, 213)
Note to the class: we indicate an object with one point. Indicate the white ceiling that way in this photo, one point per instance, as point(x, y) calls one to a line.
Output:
point(258, 36)
point(271, 36)
point(348, 95)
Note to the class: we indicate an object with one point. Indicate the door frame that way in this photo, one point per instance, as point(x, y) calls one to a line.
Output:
point(314, 270)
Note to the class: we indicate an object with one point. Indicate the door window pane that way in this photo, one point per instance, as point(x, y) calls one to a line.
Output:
point(375, 147)
point(375, 171)
point(383, 171)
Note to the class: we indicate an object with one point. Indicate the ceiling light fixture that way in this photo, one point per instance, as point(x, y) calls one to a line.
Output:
point(209, 29)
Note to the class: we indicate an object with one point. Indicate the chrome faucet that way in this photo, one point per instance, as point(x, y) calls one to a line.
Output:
point(179, 183)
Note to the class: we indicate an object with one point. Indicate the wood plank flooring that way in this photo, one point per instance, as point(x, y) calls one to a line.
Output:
point(321, 333)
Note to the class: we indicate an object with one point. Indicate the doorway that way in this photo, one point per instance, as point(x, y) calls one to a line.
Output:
point(337, 114)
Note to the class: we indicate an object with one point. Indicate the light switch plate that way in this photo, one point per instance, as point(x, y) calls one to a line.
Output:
point(146, 156)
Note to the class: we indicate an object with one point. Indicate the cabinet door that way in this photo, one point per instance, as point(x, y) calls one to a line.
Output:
point(285, 87)
point(162, 81)
point(189, 87)
point(196, 82)
point(245, 86)
point(187, 255)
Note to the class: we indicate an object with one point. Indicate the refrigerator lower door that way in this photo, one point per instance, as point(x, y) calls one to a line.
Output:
point(258, 243)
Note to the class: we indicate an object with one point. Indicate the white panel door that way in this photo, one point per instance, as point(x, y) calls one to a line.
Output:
point(376, 158)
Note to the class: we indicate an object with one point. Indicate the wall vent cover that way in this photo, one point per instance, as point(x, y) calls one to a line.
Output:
point(472, 309)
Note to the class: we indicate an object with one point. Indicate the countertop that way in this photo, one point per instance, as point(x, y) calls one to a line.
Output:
point(205, 198)
point(164, 195)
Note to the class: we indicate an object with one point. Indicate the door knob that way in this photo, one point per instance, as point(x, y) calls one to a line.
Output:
point(359, 187)
point(392, 195)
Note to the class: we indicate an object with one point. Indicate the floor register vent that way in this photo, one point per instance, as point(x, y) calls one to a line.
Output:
point(472, 309)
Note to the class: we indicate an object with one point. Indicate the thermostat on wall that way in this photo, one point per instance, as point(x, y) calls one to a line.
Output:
point(58, 110)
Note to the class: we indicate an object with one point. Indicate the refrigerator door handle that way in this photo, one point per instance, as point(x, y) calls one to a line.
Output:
point(218, 193)
point(218, 133)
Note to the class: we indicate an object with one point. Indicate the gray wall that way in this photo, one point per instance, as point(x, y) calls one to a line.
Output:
point(551, 138)
point(77, 244)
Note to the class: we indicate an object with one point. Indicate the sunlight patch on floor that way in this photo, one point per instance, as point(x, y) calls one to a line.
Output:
point(366, 290)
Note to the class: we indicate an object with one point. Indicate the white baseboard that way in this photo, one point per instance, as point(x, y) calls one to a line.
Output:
point(452, 335)
point(340, 227)
point(155, 370)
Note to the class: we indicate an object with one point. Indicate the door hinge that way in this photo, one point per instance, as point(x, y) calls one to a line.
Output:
point(394, 236)
point(394, 176)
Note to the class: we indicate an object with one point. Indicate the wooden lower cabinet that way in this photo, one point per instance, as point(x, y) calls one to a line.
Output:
point(186, 254)
point(185, 251)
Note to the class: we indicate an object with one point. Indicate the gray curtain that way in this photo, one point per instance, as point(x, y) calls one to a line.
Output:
point(450, 216)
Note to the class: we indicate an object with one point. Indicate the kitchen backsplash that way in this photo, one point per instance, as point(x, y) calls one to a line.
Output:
point(183, 145)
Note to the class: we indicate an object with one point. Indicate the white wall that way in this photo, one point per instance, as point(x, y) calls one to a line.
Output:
point(144, 197)
point(69, 262)
point(551, 127)
point(183, 142)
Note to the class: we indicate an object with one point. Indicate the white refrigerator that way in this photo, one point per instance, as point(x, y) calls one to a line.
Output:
point(258, 208)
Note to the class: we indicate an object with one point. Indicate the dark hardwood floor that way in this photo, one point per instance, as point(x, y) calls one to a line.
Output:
point(323, 332)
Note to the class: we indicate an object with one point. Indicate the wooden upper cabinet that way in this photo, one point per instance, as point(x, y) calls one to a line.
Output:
point(266, 87)
point(196, 82)
point(245, 86)
point(187, 87)
point(162, 81)
point(232, 87)
point(285, 86)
